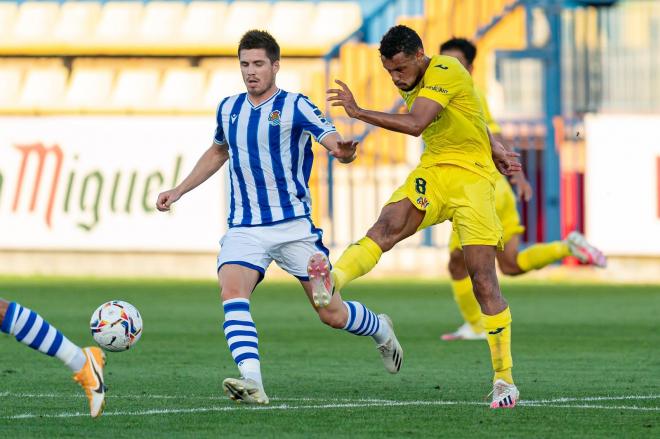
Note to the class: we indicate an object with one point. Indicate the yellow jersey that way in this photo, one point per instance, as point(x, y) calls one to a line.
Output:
point(457, 136)
point(493, 126)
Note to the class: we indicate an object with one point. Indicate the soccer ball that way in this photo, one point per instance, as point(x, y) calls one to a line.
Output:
point(116, 325)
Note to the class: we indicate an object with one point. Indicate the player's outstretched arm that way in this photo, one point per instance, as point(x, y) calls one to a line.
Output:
point(414, 122)
point(207, 165)
point(343, 150)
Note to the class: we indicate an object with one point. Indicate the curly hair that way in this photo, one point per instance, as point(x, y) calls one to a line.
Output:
point(260, 39)
point(400, 38)
point(466, 47)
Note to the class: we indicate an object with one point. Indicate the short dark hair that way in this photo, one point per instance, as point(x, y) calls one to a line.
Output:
point(260, 39)
point(466, 47)
point(400, 38)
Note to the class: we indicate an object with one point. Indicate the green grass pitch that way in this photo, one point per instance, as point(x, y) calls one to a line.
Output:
point(586, 359)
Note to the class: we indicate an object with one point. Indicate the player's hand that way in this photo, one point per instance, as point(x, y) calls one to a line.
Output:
point(346, 151)
point(343, 98)
point(166, 199)
point(523, 188)
point(505, 161)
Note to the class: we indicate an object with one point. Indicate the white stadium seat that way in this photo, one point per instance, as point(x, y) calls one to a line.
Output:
point(182, 88)
point(222, 83)
point(35, 20)
point(161, 21)
point(8, 11)
point(77, 21)
point(119, 21)
point(11, 78)
point(89, 88)
point(136, 88)
point(243, 16)
point(289, 22)
point(334, 21)
point(43, 87)
point(203, 21)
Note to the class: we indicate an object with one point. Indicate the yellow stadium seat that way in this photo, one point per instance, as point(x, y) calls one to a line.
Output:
point(35, 20)
point(222, 83)
point(11, 78)
point(182, 88)
point(333, 22)
point(89, 88)
point(8, 13)
point(202, 21)
point(77, 21)
point(161, 21)
point(136, 88)
point(243, 16)
point(43, 87)
point(119, 22)
point(290, 21)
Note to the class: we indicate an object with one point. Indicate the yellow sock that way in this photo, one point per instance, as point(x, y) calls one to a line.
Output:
point(498, 332)
point(467, 303)
point(539, 255)
point(357, 260)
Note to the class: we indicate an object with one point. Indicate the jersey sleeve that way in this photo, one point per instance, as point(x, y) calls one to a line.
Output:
point(312, 119)
point(443, 81)
point(219, 136)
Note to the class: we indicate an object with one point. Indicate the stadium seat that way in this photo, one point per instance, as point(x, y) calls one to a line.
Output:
point(161, 21)
point(222, 83)
point(182, 88)
point(243, 16)
point(202, 21)
point(8, 11)
point(333, 22)
point(89, 88)
point(10, 78)
point(77, 21)
point(35, 20)
point(136, 88)
point(119, 22)
point(290, 21)
point(43, 87)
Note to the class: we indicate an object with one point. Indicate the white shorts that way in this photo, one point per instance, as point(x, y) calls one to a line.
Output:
point(289, 243)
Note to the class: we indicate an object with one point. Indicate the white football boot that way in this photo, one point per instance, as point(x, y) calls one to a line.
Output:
point(585, 252)
point(245, 390)
point(391, 350)
point(464, 332)
point(320, 278)
point(505, 395)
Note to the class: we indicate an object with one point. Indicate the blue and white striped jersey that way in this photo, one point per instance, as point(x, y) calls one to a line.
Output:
point(270, 155)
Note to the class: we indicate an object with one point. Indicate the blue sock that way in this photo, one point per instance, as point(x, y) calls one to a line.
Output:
point(31, 329)
point(241, 335)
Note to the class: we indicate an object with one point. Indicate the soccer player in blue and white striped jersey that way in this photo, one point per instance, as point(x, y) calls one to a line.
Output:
point(29, 328)
point(265, 137)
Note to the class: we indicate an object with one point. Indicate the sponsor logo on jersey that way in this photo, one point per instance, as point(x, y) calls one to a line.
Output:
point(437, 88)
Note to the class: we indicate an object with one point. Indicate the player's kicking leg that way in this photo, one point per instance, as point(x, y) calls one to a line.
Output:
point(351, 316)
point(236, 284)
point(585, 252)
point(461, 287)
point(496, 320)
point(87, 364)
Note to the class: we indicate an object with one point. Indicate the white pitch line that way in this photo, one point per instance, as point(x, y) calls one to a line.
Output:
point(592, 398)
point(317, 407)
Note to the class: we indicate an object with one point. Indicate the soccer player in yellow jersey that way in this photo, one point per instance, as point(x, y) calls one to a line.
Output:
point(454, 181)
point(511, 261)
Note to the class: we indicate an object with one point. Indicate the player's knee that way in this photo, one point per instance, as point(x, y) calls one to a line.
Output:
point(510, 269)
point(385, 233)
point(456, 265)
point(484, 282)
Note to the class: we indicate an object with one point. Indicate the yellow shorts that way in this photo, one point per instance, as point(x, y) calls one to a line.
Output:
point(505, 206)
point(447, 192)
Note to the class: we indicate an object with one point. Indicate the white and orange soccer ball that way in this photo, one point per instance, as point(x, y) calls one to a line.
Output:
point(116, 325)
